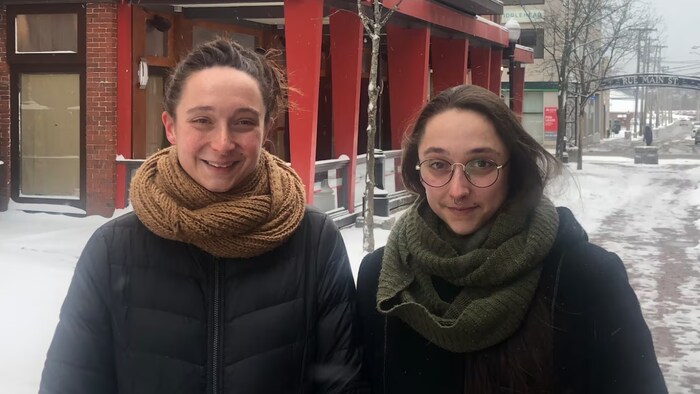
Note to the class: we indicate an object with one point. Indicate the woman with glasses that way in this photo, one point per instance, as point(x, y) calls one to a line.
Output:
point(484, 286)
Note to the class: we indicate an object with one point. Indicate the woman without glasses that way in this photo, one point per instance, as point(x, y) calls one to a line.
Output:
point(222, 281)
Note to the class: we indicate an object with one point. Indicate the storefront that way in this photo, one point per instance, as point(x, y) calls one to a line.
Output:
point(90, 98)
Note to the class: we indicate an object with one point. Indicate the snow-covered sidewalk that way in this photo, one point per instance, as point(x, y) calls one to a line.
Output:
point(38, 252)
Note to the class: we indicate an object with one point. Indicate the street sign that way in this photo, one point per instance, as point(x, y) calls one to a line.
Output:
point(656, 80)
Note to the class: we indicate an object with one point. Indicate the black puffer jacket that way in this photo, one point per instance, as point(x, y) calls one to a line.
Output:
point(148, 315)
point(600, 342)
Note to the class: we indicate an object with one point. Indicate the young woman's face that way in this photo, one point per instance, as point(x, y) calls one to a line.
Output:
point(463, 136)
point(218, 127)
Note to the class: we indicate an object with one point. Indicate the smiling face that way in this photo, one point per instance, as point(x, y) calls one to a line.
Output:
point(218, 127)
point(460, 136)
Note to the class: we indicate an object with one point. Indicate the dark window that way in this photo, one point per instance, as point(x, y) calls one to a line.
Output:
point(533, 38)
point(522, 2)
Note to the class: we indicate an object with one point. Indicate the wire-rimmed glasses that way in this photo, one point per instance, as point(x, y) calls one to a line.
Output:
point(479, 172)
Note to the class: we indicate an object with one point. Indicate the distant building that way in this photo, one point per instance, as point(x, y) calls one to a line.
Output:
point(541, 90)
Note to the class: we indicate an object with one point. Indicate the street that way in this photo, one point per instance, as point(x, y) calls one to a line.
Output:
point(653, 224)
point(673, 141)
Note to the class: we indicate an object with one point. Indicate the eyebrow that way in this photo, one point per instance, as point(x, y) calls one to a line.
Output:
point(208, 108)
point(434, 149)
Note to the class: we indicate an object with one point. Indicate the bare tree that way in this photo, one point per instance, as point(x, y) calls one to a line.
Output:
point(602, 46)
point(373, 22)
point(585, 40)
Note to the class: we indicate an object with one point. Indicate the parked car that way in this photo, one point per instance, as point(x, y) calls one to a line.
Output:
point(696, 128)
point(684, 123)
point(697, 138)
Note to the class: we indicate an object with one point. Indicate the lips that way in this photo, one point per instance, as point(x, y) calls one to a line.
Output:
point(220, 164)
point(462, 210)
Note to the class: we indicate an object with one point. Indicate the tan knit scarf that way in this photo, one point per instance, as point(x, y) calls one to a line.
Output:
point(255, 217)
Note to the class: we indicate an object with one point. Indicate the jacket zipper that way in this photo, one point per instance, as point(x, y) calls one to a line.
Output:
point(216, 327)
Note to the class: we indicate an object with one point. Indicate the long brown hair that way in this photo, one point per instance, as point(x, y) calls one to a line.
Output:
point(522, 363)
point(225, 52)
point(530, 165)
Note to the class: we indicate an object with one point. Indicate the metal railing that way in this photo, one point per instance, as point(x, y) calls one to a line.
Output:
point(331, 180)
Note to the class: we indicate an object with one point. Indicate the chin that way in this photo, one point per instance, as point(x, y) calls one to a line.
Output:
point(460, 228)
point(219, 187)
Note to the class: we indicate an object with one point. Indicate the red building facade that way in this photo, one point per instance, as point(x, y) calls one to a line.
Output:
point(89, 115)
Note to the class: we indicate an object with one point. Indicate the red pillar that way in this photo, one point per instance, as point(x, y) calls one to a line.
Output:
point(408, 51)
point(495, 70)
point(449, 62)
point(481, 65)
point(124, 84)
point(518, 90)
point(346, 68)
point(303, 23)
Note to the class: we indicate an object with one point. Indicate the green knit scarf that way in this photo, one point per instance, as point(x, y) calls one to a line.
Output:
point(497, 277)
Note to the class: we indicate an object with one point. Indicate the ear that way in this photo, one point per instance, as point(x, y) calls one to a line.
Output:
point(169, 124)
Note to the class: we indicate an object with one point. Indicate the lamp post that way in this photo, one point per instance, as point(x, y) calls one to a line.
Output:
point(513, 35)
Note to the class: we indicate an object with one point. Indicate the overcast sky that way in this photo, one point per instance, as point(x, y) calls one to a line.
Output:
point(681, 28)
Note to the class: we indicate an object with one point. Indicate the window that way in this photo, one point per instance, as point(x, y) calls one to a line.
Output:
point(37, 33)
point(49, 118)
point(533, 121)
point(46, 54)
point(203, 34)
point(155, 131)
point(522, 2)
point(533, 38)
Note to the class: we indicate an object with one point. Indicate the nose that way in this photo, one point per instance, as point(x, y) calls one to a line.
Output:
point(222, 139)
point(459, 186)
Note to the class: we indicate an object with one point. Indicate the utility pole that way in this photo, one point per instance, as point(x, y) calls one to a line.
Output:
point(657, 69)
point(646, 116)
point(641, 32)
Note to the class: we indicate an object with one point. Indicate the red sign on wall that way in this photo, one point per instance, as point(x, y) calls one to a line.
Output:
point(550, 119)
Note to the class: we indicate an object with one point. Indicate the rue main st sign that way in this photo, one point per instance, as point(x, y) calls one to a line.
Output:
point(654, 80)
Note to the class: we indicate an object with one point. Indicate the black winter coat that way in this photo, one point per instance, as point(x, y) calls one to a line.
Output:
point(149, 315)
point(600, 341)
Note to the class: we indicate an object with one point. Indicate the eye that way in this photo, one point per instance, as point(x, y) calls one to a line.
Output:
point(244, 123)
point(248, 122)
point(480, 164)
point(201, 121)
point(438, 165)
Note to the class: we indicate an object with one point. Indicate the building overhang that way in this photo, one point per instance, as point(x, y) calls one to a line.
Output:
point(523, 54)
point(475, 7)
point(458, 16)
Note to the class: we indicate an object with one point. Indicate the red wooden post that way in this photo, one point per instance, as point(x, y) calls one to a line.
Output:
point(303, 23)
point(481, 66)
point(449, 61)
point(408, 76)
point(346, 65)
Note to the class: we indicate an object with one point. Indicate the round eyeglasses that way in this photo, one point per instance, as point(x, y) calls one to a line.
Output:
point(479, 172)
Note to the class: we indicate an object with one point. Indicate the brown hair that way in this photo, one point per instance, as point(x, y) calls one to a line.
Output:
point(228, 53)
point(530, 165)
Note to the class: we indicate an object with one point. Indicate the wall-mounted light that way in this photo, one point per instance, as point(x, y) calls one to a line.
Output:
point(143, 74)
point(513, 36)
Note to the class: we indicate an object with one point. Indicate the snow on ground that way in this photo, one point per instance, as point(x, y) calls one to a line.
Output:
point(609, 196)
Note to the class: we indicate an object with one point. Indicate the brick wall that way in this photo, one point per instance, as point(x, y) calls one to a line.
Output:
point(4, 114)
point(101, 107)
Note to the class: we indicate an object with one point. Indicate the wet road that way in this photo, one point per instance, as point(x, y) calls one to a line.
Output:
point(652, 222)
point(674, 142)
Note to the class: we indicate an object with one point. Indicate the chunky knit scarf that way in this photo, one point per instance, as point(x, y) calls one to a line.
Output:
point(496, 278)
point(254, 218)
